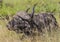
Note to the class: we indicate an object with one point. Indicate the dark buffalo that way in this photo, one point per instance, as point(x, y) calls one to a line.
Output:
point(25, 22)
point(21, 21)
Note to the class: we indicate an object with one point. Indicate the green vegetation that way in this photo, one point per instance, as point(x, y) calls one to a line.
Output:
point(12, 6)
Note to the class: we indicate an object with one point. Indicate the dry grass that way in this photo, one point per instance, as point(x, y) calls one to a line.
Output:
point(11, 36)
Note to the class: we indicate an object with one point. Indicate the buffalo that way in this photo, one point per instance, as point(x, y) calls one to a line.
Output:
point(25, 22)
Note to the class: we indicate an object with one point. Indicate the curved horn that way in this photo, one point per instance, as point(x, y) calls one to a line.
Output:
point(33, 10)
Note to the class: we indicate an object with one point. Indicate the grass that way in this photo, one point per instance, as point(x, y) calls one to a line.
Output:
point(11, 36)
point(10, 7)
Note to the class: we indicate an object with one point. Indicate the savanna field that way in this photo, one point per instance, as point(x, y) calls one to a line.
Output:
point(10, 7)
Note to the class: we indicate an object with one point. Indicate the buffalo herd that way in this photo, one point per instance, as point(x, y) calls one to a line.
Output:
point(25, 22)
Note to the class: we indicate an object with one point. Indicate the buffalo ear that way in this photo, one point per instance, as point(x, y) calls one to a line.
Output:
point(27, 9)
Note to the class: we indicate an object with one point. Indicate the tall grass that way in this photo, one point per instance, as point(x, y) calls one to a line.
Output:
point(12, 6)
point(11, 36)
